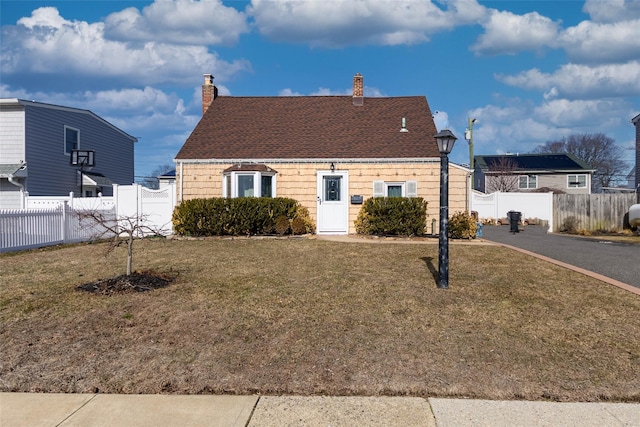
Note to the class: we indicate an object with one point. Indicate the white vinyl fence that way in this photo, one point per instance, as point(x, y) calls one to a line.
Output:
point(53, 220)
point(531, 205)
point(27, 229)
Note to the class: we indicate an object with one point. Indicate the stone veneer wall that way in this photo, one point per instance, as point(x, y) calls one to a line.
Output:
point(298, 181)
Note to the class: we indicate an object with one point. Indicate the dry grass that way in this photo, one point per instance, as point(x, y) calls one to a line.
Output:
point(305, 317)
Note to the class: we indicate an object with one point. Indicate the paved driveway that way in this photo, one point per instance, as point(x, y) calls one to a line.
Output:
point(619, 261)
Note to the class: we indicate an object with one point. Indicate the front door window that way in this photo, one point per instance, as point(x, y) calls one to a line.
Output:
point(332, 188)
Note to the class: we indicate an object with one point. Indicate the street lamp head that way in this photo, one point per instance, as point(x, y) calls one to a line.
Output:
point(445, 139)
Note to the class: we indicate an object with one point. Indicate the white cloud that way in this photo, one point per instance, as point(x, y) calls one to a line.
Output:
point(612, 10)
point(47, 43)
point(519, 126)
point(578, 113)
point(441, 120)
point(323, 91)
point(574, 80)
point(508, 33)
point(347, 22)
point(289, 92)
point(178, 21)
point(613, 36)
point(590, 42)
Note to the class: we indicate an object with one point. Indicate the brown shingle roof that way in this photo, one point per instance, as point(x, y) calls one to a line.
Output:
point(313, 127)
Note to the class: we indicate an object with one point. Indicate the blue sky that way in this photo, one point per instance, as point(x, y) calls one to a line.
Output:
point(528, 71)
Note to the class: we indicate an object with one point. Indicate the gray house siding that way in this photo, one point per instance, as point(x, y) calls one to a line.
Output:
point(561, 182)
point(50, 172)
point(551, 171)
point(636, 122)
point(554, 181)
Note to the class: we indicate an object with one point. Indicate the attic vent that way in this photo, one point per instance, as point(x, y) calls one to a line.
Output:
point(404, 125)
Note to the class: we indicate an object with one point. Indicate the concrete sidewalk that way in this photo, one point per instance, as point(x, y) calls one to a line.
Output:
point(99, 410)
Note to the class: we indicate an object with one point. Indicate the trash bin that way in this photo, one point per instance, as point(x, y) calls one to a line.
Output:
point(514, 219)
point(479, 229)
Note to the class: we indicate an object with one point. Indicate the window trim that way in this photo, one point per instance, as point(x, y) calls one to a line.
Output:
point(576, 179)
point(394, 184)
point(231, 179)
point(64, 142)
point(381, 188)
point(529, 181)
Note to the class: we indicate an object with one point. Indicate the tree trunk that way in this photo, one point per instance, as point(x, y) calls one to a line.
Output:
point(129, 255)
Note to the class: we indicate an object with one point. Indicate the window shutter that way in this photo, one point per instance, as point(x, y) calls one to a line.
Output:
point(378, 189)
point(412, 188)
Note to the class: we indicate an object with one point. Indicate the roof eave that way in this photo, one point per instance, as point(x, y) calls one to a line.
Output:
point(313, 160)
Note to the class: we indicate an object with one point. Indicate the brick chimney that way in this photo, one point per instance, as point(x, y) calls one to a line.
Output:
point(358, 90)
point(209, 92)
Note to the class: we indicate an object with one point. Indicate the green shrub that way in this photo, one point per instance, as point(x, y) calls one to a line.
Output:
point(462, 226)
point(236, 217)
point(392, 216)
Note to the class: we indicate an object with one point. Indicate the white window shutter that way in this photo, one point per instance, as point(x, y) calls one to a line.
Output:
point(378, 189)
point(412, 188)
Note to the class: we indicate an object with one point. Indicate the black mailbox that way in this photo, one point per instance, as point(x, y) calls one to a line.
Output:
point(356, 199)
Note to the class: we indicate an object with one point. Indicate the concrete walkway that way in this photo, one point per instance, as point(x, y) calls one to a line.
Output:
point(101, 410)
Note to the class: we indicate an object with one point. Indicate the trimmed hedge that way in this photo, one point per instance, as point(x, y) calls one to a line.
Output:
point(240, 217)
point(397, 216)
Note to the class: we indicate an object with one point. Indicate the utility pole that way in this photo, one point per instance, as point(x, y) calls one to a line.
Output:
point(468, 135)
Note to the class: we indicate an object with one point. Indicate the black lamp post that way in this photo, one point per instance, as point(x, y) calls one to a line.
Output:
point(445, 139)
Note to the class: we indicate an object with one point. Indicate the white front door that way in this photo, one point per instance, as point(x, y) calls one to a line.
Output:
point(333, 206)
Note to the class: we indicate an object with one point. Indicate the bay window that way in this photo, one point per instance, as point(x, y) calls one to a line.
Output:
point(249, 181)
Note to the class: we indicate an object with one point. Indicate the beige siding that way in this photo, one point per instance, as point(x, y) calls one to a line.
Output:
point(298, 181)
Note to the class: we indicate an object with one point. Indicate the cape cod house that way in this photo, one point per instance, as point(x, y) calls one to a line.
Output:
point(328, 152)
point(36, 146)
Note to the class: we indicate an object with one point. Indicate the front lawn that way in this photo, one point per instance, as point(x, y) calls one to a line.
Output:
point(307, 316)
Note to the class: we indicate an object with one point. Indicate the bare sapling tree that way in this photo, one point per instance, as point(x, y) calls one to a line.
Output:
point(120, 229)
point(502, 175)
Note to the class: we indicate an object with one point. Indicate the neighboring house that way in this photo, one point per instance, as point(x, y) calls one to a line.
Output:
point(166, 179)
point(36, 142)
point(636, 123)
point(532, 172)
point(328, 152)
point(631, 179)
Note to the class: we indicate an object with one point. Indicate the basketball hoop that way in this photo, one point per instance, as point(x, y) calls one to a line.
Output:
point(83, 158)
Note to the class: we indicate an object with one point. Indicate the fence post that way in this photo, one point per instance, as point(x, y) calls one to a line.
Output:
point(64, 221)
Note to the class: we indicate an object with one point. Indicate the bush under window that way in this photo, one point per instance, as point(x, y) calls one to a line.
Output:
point(241, 217)
point(392, 216)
